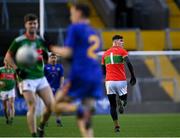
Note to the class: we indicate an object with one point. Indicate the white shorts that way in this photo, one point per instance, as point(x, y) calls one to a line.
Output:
point(4, 95)
point(116, 87)
point(33, 85)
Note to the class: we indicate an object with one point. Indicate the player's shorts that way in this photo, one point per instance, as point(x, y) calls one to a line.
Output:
point(81, 89)
point(116, 87)
point(33, 85)
point(4, 95)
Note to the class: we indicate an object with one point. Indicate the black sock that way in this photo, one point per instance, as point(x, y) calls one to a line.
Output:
point(41, 125)
point(5, 114)
point(113, 106)
point(34, 135)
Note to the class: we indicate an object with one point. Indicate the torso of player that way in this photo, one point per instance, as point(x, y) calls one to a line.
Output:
point(53, 74)
point(84, 42)
point(35, 71)
point(114, 62)
point(8, 77)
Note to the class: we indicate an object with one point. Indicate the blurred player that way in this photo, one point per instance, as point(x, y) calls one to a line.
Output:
point(54, 73)
point(116, 84)
point(7, 91)
point(85, 79)
point(33, 79)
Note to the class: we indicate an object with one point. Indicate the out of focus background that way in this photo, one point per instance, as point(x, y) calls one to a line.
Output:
point(151, 31)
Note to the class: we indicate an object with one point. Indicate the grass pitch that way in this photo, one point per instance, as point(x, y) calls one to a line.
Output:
point(133, 125)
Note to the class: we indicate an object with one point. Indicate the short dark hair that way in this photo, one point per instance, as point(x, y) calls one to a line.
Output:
point(84, 8)
point(30, 17)
point(52, 55)
point(116, 37)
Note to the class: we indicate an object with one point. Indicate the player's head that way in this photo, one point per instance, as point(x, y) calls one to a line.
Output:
point(31, 23)
point(117, 40)
point(79, 12)
point(52, 59)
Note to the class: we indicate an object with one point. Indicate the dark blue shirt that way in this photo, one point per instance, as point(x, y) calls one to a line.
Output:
point(53, 75)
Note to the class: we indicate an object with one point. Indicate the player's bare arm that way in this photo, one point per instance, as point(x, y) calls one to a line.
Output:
point(130, 67)
point(64, 52)
point(9, 59)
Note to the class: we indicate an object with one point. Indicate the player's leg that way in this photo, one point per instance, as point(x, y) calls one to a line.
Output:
point(84, 117)
point(5, 106)
point(62, 101)
point(113, 111)
point(11, 104)
point(58, 121)
point(45, 93)
point(123, 99)
point(30, 98)
point(111, 93)
point(12, 110)
point(121, 87)
point(27, 88)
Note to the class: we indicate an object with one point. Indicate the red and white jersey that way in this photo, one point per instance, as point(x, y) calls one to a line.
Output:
point(113, 59)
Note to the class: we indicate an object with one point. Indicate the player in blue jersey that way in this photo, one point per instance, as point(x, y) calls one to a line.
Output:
point(54, 73)
point(85, 79)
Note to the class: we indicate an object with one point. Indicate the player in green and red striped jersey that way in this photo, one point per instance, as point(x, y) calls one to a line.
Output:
point(116, 84)
point(33, 80)
point(7, 91)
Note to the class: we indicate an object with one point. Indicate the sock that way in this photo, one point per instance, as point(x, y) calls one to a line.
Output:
point(34, 135)
point(80, 111)
point(41, 125)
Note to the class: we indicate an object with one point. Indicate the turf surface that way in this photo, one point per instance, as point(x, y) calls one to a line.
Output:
point(136, 125)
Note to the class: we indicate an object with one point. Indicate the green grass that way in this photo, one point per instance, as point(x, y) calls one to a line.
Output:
point(150, 125)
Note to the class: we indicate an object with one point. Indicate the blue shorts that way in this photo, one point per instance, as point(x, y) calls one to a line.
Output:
point(81, 89)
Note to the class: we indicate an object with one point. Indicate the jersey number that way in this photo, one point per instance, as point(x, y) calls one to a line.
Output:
point(91, 50)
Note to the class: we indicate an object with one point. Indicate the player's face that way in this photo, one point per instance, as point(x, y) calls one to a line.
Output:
point(52, 59)
point(119, 42)
point(75, 15)
point(31, 26)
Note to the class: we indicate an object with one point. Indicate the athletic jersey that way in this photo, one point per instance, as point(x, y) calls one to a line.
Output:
point(37, 70)
point(85, 43)
point(7, 75)
point(113, 59)
point(53, 75)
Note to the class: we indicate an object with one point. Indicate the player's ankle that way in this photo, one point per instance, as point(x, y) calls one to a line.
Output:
point(34, 134)
point(42, 125)
point(80, 111)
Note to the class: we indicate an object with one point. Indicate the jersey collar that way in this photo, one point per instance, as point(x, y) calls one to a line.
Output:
point(30, 37)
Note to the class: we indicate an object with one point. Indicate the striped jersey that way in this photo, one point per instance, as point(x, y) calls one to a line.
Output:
point(7, 75)
point(113, 59)
point(37, 70)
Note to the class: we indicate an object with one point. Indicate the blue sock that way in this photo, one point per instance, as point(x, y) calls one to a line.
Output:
point(80, 111)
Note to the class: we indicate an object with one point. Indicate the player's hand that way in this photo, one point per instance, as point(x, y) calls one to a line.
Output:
point(45, 56)
point(21, 73)
point(2, 84)
point(133, 81)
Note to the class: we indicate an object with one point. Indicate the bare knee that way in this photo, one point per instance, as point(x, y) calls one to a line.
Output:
point(31, 107)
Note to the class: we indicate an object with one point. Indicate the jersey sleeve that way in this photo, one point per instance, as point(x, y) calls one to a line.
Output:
point(124, 53)
point(13, 47)
point(70, 38)
point(102, 60)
